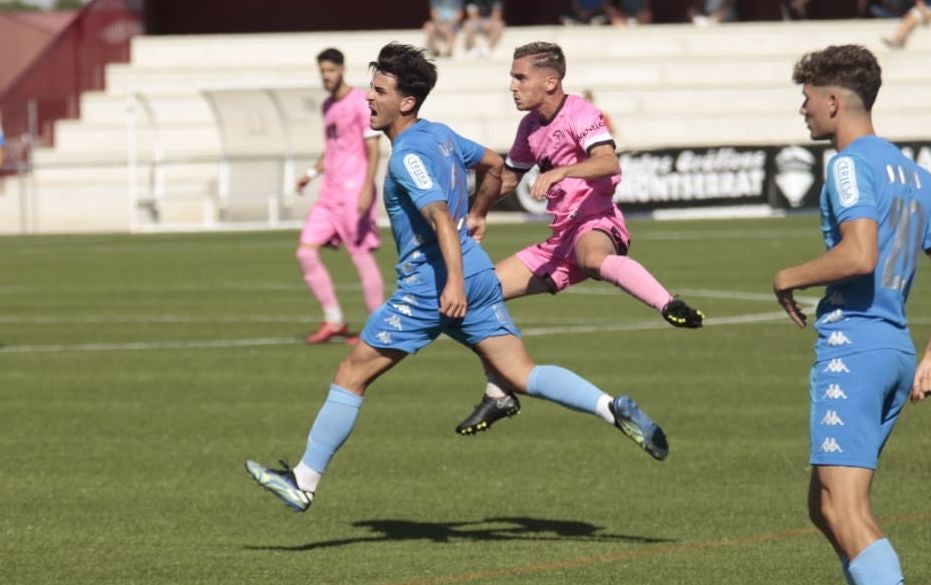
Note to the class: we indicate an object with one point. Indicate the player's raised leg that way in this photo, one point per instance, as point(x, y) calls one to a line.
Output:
point(507, 355)
point(599, 254)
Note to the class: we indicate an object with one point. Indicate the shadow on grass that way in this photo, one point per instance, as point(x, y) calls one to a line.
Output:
point(489, 529)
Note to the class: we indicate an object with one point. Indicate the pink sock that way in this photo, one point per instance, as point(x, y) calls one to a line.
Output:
point(373, 289)
point(318, 279)
point(629, 275)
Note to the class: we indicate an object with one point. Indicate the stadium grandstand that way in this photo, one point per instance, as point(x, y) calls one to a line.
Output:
point(195, 122)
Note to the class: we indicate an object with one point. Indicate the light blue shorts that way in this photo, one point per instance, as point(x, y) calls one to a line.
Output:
point(855, 402)
point(410, 319)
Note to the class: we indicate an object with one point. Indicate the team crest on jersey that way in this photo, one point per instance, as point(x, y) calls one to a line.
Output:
point(845, 179)
point(556, 137)
point(417, 171)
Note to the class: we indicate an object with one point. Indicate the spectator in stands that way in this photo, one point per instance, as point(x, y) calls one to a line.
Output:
point(628, 12)
point(485, 17)
point(919, 14)
point(585, 12)
point(443, 26)
point(344, 213)
point(704, 12)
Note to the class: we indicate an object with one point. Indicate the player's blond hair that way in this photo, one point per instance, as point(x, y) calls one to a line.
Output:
point(544, 54)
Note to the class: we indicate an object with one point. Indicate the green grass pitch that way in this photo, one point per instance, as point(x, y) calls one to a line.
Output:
point(137, 373)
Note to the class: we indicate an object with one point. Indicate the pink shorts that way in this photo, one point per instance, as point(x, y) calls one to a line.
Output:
point(554, 259)
point(326, 226)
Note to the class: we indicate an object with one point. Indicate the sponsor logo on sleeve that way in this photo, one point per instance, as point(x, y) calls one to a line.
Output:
point(845, 180)
point(417, 171)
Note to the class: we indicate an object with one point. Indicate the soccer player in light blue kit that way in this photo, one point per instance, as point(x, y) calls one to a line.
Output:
point(446, 283)
point(875, 207)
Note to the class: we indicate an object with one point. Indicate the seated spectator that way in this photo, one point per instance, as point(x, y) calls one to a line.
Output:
point(704, 12)
point(919, 14)
point(485, 17)
point(628, 12)
point(441, 29)
point(585, 12)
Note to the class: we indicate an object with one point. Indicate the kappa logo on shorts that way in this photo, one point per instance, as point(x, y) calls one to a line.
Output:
point(845, 179)
point(833, 317)
point(409, 299)
point(837, 366)
point(404, 310)
point(830, 445)
point(838, 338)
point(834, 392)
point(832, 419)
point(417, 171)
point(500, 314)
point(384, 337)
point(395, 322)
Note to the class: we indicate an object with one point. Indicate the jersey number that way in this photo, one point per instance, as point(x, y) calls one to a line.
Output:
point(906, 221)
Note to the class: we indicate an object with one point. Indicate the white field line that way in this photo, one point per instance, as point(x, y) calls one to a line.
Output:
point(233, 319)
point(653, 324)
point(265, 341)
point(164, 242)
point(148, 345)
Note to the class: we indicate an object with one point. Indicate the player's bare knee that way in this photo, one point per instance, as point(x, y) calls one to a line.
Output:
point(351, 376)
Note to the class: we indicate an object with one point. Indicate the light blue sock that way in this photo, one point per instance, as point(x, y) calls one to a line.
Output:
point(563, 387)
point(332, 427)
point(877, 564)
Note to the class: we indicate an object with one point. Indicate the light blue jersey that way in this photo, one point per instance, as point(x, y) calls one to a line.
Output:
point(429, 163)
point(872, 179)
point(865, 356)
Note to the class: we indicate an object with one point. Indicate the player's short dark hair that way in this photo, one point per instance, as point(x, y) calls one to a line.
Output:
point(414, 74)
point(544, 55)
point(852, 67)
point(332, 55)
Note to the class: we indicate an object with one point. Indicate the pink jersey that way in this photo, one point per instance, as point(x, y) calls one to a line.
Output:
point(565, 140)
point(346, 126)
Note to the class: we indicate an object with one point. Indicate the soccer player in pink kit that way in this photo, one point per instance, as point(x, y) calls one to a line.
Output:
point(345, 210)
point(567, 138)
